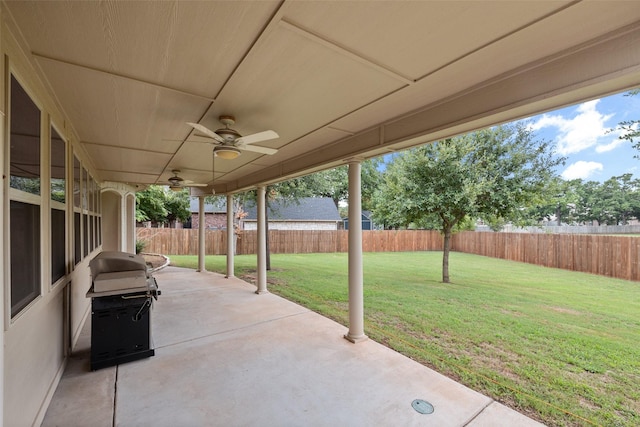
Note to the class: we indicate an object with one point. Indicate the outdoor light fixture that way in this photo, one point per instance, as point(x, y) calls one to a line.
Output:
point(175, 188)
point(225, 152)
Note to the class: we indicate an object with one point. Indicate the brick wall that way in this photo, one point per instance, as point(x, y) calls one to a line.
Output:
point(211, 221)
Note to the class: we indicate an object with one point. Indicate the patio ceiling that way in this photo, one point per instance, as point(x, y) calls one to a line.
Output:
point(336, 80)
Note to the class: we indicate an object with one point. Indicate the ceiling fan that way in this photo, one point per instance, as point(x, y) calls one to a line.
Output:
point(229, 143)
point(177, 183)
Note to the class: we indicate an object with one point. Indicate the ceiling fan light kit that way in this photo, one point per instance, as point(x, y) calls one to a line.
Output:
point(227, 153)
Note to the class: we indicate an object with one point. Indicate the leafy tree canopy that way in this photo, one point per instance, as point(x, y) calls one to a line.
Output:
point(160, 205)
point(630, 129)
point(489, 174)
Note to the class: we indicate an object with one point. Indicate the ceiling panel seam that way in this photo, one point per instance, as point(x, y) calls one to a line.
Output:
point(328, 125)
point(267, 29)
point(120, 75)
point(625, 32)
point(121, 147)
point(345, 51)
point(126, 171)
point(497, 39)
point(348, 132)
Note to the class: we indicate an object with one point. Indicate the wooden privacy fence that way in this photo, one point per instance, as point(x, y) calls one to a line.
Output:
point(171, 241)
point(614, 256)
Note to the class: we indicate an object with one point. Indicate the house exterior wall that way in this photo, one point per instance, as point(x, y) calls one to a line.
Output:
point(217, 221)
point(294, 225)
point(35, 341)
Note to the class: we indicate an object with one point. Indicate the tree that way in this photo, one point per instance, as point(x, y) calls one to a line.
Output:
point(159, 205)
point(617, 199)
point(561, 203)
point(332, 183)
point(150, 204)
point(630, 129)
point(177, 205)
point(490, 174)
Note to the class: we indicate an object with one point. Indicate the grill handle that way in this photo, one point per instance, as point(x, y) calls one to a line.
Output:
point(143, 310)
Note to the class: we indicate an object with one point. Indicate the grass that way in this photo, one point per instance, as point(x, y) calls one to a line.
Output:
point(559, 346)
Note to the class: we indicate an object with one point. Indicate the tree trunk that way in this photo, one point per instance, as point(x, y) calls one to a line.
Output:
point(445, 255)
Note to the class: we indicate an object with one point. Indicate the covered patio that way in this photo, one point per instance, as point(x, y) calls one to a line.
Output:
point(103, 99)
point(216, 364)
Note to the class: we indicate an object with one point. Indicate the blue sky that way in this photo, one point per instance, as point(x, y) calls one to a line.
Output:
point(580, 133)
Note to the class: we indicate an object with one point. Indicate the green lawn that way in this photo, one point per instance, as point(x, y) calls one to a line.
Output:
point(559, 346)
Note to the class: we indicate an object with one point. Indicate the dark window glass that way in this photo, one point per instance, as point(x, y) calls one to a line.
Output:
point(99, 230)
point(85, 239)
point(76, 182)
point(94, 193)
point(92, 237)
point(25, 254)
point(84, 191)
point(58, 233)
point(89, 192)
point(77, 237)
point(25, 141)
point(58, 167)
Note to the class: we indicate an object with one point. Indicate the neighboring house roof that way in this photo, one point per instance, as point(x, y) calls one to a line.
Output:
point(366, 215)
point(220, 206)
point(305, 209)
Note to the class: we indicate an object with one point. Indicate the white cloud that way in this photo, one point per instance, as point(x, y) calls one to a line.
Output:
point(578, 133)
point(617, 141)
point(581, 170)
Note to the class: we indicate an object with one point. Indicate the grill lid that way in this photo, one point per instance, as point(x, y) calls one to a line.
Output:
point(113, 261)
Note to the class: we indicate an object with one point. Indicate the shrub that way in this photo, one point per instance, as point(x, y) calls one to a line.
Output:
point(140, 245)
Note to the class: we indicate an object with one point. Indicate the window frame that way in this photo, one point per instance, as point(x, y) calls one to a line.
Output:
point(59, 206)
point(19, 196)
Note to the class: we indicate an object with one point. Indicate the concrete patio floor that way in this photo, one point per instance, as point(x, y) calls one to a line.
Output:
point(228, 357)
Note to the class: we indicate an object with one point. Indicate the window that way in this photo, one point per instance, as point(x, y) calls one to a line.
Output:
point(85, 237)
point(77, 237)
point(24, 213)
point(25, 141)
point(25, 243)
point(58, 206)
point(76, 182)
point(76, 211)
point(84, 191)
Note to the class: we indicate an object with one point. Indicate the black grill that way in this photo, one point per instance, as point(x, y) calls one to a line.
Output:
point(121, 311)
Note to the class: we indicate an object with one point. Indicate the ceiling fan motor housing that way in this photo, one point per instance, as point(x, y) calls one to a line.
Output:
point(228, 134)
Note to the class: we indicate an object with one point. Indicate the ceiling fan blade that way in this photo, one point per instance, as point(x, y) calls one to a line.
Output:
point(257, 149)
point(257, 137)
point(208, 132)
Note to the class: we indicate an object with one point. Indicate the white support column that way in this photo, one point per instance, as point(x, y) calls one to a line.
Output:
point(124, 225)
point(231, 235)
point(201, 238)
point(262, 243)
point(356, 298)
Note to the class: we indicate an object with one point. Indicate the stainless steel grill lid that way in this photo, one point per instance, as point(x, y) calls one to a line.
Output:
point(120, 272)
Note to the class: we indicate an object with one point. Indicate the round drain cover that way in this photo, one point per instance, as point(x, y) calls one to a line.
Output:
point(422, 406)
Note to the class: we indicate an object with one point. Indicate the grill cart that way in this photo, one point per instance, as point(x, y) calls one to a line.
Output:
point(122, 294)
